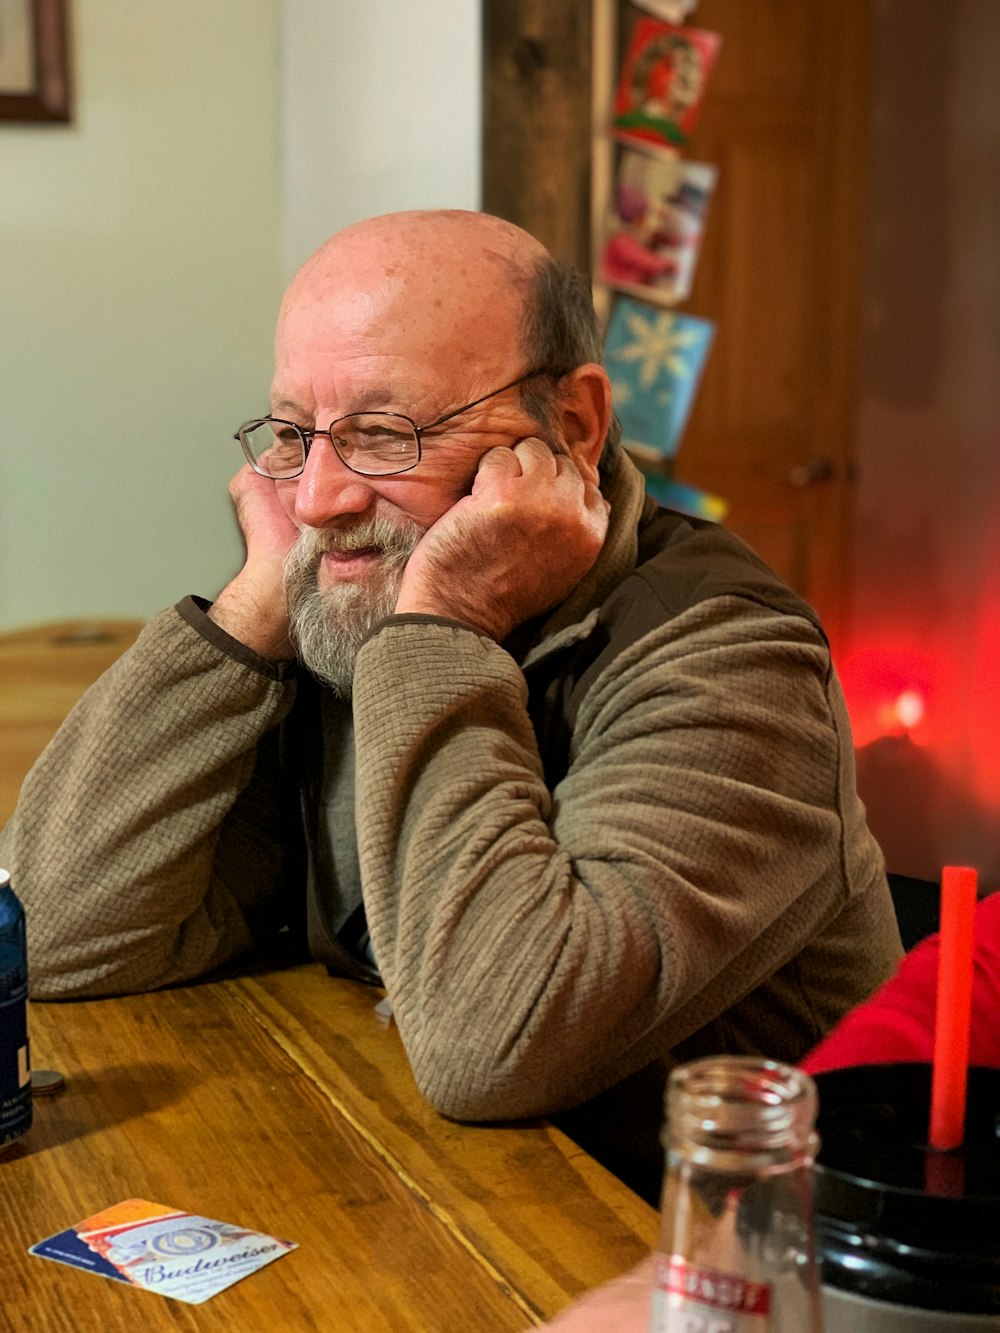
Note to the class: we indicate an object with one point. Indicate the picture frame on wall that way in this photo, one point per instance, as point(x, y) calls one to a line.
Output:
point(34, 61)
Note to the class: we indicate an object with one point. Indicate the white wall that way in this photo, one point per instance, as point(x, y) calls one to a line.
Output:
point(137, 289)
point(144, 247)
point(380, 111)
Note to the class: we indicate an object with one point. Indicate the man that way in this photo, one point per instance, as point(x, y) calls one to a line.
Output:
point(571, 774)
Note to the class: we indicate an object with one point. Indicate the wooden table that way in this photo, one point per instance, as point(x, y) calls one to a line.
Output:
point(280, 1102)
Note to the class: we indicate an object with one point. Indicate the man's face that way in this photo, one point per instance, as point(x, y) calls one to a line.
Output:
point(373, 332)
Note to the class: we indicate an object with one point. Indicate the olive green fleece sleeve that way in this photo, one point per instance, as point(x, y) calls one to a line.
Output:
point(540, 946)
point(145, 846)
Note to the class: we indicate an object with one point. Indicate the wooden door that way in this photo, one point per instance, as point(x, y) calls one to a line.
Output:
point(785, 120)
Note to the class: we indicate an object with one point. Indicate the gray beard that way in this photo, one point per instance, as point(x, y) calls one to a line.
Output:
point(329, 625)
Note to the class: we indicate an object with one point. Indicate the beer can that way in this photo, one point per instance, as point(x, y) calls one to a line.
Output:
point(15, 1060)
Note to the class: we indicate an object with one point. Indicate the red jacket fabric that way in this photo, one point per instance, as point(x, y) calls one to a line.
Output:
point(897, 1023)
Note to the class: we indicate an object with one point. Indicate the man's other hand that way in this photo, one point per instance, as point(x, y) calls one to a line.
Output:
point(517, 545)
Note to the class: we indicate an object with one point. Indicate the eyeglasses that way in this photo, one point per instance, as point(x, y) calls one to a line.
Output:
point(374, 444)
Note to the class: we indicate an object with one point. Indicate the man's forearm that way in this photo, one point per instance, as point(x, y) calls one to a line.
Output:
point(541, 945)
point(126, 845)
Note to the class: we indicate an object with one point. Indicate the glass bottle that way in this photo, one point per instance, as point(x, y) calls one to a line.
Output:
point(737, 1250)
point(15, 1070)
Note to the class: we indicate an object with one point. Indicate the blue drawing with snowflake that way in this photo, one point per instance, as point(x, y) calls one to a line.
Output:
point(654, 358)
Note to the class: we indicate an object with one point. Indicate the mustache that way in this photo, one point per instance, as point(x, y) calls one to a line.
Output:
point(394, 540)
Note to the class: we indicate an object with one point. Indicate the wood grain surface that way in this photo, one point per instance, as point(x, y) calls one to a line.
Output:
point(526, 1199)
point(281, 1103)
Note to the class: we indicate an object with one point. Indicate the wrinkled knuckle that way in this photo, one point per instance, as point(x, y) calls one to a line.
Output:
point(531, 444)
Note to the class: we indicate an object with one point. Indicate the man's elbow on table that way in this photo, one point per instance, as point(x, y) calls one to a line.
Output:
point(473, 1096)
point(79, 965)
point(471, 1076)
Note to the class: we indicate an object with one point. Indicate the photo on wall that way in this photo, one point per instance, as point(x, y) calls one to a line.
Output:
point(655, 226)
point(654, 359)
point(34, 65)
point(663, 79)
point(684, 498)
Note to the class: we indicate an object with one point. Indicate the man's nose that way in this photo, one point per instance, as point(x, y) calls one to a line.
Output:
point(328, 488)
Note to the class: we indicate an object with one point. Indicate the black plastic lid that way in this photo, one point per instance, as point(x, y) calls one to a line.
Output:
point(896, 1219)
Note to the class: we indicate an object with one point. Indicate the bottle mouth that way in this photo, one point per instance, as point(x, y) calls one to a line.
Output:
point(743, 1104)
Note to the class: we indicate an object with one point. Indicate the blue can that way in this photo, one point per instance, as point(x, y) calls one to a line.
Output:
point(15, 1061)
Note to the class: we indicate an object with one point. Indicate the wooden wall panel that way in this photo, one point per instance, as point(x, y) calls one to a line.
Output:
point(537, 120)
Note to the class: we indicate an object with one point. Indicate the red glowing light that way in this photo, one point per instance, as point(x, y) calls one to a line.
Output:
point(889, 690)
point(910, 709)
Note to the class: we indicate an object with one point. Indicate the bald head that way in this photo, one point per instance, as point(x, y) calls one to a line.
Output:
point(471, 245)
point(448, 278)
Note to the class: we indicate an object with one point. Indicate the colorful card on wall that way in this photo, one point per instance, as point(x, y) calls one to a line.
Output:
point(656, 224)
point(684, 498)
point(662, 82)
point(654, 358)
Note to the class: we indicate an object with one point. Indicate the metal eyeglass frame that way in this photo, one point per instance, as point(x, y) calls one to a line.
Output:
point(308, 436)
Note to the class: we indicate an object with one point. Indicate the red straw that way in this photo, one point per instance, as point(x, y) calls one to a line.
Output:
point(954, 1006)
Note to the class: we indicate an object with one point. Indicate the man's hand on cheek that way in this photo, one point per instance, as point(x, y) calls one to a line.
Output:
point(252, 607)
point(269, 531)
point(515, 547)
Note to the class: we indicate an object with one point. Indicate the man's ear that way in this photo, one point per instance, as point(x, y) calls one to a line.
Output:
point(585, 414)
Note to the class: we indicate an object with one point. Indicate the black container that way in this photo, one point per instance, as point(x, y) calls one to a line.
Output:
point(909, 1236)
point(15, 1072)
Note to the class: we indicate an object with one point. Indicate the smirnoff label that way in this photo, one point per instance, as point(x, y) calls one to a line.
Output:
point(690, 1299)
